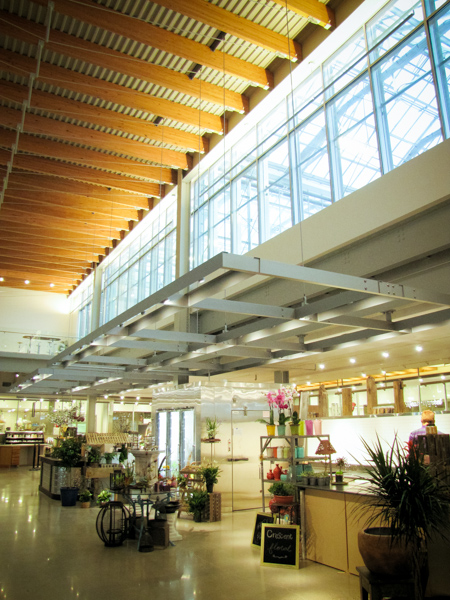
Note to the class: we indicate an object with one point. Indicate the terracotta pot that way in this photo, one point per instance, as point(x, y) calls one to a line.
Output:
point(283, 499)
point(383, 556)
point(86, 504)
point(277, 472)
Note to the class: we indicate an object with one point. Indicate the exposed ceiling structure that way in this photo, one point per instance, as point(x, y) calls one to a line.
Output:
point(101, 102)
point(240, 314)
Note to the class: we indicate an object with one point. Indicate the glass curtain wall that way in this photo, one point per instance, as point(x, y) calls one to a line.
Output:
point(175, 434)
point(143, 266)
point(380, 100)
point(81, 301)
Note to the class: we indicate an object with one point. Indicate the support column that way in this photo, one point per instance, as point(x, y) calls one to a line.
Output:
point(399, 402)
point(91, 423)
point(372, 398)
point(96, 298)
point(281, 377)
point(347, 409)
point(183, 216)
point(323, 402)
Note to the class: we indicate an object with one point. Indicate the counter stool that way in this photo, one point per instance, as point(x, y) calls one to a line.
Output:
point(384, 586)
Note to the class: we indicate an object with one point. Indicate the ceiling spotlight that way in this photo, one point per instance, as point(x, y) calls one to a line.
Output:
point(2, 279)
point(121, 402)
point(321, 366)
point(419, 348)
point(363, 374)
point(308, 383)
point(122, 397)
point(135, 403)
point(339, 389)
point(105, 396)
point(26, 281)
point(383, 372)
point(420, 380)
point(353, 360)
point(52, 285)
point(382, 384)
point(442, 376)
point(138, 397)
point(385, 354)
point(41, 400)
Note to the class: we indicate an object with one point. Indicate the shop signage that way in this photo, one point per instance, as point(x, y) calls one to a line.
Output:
point(260, 519)
point(280, 545)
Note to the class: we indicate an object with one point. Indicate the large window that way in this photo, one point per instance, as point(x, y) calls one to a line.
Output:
point(375, 103)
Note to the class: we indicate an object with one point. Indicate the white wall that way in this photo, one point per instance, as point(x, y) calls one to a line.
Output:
point(29, 312)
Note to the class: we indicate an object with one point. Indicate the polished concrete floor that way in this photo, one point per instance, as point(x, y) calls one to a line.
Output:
point(52, 552)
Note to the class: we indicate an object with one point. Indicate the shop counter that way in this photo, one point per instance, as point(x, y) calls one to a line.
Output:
point(15, 455)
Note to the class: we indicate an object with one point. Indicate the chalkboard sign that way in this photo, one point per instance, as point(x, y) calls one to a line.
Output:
point(280, 545)
point(260, 519)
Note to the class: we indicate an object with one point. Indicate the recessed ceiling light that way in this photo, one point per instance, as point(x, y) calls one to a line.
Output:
point(41, 400)
point(122, 397)
point(2, 279)
point(353, 360)
point(420, 380)
point(138, 397)
point(26, 281)
point(385, 354)
point(52, 285)
point(136, 403)
point(419, 348)
point(339, 389)
point(321, 366)
point(308, 383)
point(383, 372)
point(382, 384)
point(105, 396)
point(363, 374)
point(121, 402)
point(442, 376)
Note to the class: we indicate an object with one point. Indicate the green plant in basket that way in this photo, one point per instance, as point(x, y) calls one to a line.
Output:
point(85, 496)
point(279, 488)
point(197, 503)
point(103, 497)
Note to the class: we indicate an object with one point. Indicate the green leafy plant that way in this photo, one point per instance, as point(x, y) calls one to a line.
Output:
point(279, 488)
point(94, 455)
point(123, 454)
point(109, 456)
point(85, 496)
point(197, 503)
point(405, 496)
point(103, 497)
point(69, 453)
point(295, 420)
point(212, 427)
point(209, 474)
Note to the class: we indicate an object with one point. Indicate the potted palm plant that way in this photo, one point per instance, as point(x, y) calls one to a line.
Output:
point(69, 453)
point(410, 503)
point(197, 504)
point(209, 475)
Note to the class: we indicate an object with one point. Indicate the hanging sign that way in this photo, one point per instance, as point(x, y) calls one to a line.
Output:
point(260, 519)
point(280, 545)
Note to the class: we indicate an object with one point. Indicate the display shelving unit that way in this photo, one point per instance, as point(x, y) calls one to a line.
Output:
point(293, 442)
point(24, 437)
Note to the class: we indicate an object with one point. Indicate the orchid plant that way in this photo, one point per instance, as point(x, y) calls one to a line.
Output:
point(281, 400)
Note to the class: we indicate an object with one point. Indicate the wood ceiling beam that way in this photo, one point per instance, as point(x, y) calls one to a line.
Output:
point(36, 267)
point(156, 37)
point(107, 118)
point(104, 141)
point(232, 24)
point(32, 242)
point(24, 217)
point(108, 197)
point(66, 213)
point(52, 167)
point(39, 276)
point(82, 156)
point(75, 202)
point(73, 47)
point(14, 255)
point(310, 9)
point(58, 288)
point(88, 239)
point(111, 92)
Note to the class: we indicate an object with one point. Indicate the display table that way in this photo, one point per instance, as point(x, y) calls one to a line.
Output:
point(54, 476)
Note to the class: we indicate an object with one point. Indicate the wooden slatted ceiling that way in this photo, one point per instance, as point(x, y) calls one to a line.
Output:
point(89, 145)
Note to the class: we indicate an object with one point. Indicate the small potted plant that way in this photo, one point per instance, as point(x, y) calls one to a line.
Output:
point(294, 423)
point(109, 457)
point(197, 504)
point(283, 493)
point(212, 427)
point(94, 456)
point(341, 465)
point(103, 498)
point(85, 498)
point(323, 478)
point(209, 475)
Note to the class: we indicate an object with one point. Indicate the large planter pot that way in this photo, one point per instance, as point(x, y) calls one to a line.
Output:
point(382, 555)
point(198, 517)
point(209, 488)
point(270, 429)
point(69, 496)
point(283, 499)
